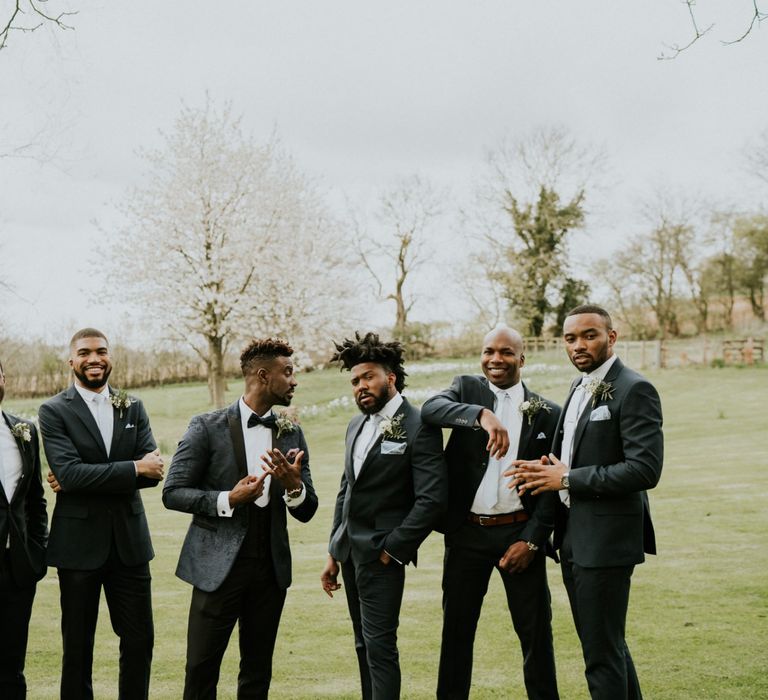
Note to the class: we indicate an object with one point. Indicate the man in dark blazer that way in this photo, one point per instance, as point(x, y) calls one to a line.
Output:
point(100, 451)
point(607, 452)
point(23, 534)
point(495, 419)
point(238, 470)
point(393, 489)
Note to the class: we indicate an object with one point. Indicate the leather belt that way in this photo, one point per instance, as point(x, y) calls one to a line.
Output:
point(519, 516)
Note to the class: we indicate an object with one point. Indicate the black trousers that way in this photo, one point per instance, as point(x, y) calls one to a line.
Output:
point(374, 595)
point(250, 595)
point(471, 555)
point(128, 592)
point(15, 611)
point(599, 598)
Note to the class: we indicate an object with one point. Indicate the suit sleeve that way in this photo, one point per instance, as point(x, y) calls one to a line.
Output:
point(37, 517)
point(308, 507)
point(643, 449)
point(187, 473)
point(430, 487)
point(339, 506)
point(446, 409)
point(70, 471)
point(145, 443)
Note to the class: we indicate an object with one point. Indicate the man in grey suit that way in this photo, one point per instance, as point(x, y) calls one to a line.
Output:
point(393, 490)
point(238, 470)
point(608, 451)
point(23, 534)
point(101, 452)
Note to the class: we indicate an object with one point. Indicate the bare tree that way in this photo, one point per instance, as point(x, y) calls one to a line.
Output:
point(406, 214)
point(26, 16)
point(210, 248)
point(756, 155)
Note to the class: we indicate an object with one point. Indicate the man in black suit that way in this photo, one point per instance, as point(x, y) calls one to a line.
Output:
point(495, 419)
point(393, 489)
point(100, 451)
point(23, 534)
point(238, 470)
point(608, 450)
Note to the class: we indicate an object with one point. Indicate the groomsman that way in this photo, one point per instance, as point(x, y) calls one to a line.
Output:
point(23, 534)
point(495, 419)
point(238, 471)
point(392, 491)
point(101, 451)
point(608, 450)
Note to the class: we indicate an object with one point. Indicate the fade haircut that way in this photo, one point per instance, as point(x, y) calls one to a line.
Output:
point(260, 351)
point(87, 333)
point(592, 309)
point(370, 349)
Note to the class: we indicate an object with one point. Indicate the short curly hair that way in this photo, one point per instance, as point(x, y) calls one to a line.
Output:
point(370, 348)
point(260, 350)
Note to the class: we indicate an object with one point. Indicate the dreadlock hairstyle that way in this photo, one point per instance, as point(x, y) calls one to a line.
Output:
point(259, 351)
point(370, 349)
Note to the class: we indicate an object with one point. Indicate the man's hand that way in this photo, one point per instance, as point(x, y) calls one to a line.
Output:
point(247, 490)
point(150, 465)
point(286, 472)
point(55, 485)
point(517, 558)
point(384, 558)
point(329, 577)
point(498, 437)
point(537, 476)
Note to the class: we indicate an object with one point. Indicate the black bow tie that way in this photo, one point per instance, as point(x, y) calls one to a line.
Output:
point(269, 422)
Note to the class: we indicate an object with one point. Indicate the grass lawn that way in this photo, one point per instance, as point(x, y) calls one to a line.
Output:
point(697, 624)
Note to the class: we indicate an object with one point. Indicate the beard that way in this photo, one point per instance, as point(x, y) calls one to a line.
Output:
point(93, 384)
point(380, 400)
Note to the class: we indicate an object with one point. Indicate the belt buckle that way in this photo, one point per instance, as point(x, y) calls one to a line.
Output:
point(486, 519)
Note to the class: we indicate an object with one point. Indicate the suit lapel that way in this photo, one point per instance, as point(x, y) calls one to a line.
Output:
point(118, 424)
point(238, 441)
point(82, 411)
point(354, 431)
point(526, 429)
point(557, 443)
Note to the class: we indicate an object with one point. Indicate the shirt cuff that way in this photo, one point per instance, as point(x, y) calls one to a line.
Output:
point(222, 505)
point(296, 502)
point(136, 468)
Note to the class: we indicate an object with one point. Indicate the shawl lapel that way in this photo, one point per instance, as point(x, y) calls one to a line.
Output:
point(238, 441)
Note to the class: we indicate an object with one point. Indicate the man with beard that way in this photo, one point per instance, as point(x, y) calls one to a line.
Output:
point(100, 451)
point(608, 450)
point(393, 490)
point(23, 533)
point(494, 420)
point(236, 553)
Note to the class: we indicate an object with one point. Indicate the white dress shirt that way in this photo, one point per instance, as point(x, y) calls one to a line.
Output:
point(493, 497)
point(10, 463)
point(371, 430)
point(102, 411)
point(258, 440)
point(575, 408)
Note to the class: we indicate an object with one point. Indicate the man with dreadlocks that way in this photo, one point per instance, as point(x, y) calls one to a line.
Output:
point(393, 489)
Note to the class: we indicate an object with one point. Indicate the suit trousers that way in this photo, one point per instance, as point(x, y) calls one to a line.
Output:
point(128, 592)
point(251, 595)
point(15, 611)
point(374, 596)
point(599, 597)
point(471, 555)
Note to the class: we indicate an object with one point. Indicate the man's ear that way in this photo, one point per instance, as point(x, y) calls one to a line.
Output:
point(261, 374)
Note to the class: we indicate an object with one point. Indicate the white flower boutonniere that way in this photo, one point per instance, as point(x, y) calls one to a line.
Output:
point(285, 422)
point(21, 431)
point(120, 400)
point(392, 429)
point(531, 407)
point(600, 390)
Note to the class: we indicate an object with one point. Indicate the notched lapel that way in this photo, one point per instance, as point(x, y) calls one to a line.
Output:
point(118, 426)
point(354, 431)
point(79, 408)
point(526, 429)
point(25, 450)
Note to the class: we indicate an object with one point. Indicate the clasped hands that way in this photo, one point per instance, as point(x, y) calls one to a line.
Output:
point(537, 476)
point(274, 462)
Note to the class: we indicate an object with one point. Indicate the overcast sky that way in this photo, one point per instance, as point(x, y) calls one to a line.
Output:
point(360, 93)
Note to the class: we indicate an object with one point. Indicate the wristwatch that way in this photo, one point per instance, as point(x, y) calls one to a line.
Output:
point(565, 482)
point(294, 493)
point(532, 547)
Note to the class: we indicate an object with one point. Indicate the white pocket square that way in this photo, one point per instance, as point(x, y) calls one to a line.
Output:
point(541, 436)
point(392, 448)
point(600, 413)
point(129, 425)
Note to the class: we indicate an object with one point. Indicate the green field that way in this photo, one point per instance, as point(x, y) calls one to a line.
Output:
point(697, 625)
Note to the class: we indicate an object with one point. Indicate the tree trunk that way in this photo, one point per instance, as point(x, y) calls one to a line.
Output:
point(217, 384)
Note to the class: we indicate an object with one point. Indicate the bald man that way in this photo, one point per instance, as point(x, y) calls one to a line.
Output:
point(494, 420)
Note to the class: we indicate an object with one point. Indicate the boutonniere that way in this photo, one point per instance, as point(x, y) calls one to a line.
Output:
point(600, 390)
point(21, 431)
point(120, 400)
point(531, 407)
point(285, 422)
point(392, 429)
